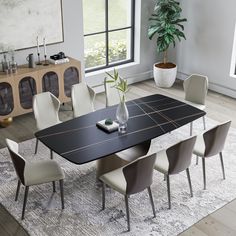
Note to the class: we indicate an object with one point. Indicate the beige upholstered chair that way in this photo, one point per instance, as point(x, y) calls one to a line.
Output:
point(195, 87)
point(174, 160)
point(34, 173)
point(45, 107)
point(211, 143)
point(82, 97)
point(112, 94)
point(130, 179)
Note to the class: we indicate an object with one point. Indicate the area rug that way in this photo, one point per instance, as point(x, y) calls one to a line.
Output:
point(82, 214)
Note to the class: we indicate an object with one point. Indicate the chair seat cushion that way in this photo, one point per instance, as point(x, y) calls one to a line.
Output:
point(43, 171)
point(199, 148)
point(116, 180)
point(197, 105)
point(162, 163)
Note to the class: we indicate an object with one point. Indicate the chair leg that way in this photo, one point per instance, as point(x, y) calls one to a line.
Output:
point(127, 211)
point(191, 128)
point(196, 160)
point(24, 203)
point(54, 186)
point(51, 154)
point(189, 182)
point(222, 165)
point(103, 195)
point(36, 146)
point(168, 190)
point(17, 190)
point(62, 193)
point(204, 173)
point(151, 200)
point(204, 122)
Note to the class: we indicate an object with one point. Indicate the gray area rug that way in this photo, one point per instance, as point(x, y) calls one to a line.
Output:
point(82, 214)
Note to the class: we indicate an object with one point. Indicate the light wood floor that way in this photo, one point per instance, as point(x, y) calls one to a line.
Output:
point(219, 107)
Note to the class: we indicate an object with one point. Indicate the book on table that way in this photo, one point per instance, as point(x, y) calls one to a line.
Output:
point(107, 125)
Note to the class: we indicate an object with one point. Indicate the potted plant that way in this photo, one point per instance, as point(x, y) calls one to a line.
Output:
point(165, 22)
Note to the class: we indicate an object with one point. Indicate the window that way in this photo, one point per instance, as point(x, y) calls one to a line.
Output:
point(108, 33)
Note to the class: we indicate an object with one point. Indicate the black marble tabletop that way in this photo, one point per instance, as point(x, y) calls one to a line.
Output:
point(80, 141)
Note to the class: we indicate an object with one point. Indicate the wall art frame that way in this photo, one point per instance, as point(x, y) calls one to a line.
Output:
point(22, 21)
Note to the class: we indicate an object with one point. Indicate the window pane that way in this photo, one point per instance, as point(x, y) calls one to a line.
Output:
point(94, 16)
point(95, 50)
point(119, 12)
point(119, 46)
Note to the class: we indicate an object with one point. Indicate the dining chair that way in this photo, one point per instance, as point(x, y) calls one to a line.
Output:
point(195, 88)
point(34, 173)
point(211, 143)
point(130, 179)
point(112, 94)
point(174, 160)
point(46, 107)
point(82, 97)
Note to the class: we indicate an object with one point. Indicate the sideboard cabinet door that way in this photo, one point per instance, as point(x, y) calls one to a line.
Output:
point(6, 99)
point(71, 77)
point(50, 83)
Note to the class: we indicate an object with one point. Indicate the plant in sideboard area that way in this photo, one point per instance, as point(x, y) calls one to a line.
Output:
point(122, 114)
point(166, 23)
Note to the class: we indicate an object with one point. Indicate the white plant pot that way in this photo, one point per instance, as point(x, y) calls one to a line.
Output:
point(164, 77)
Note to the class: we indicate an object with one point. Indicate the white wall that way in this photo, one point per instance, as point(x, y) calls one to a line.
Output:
point(73, 34)
point(208, 48)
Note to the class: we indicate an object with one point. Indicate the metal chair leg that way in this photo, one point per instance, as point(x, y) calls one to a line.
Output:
point(103, 195)
point(204, 173)
point(62, 193)
point(17, 190)
point(127, 211)
point(191, 128)
point(222, 165)
point(51, 154)
point(24, 203)
point(204, 122)
point(36, 146)
point(168, 190)
point(151, 200)
point(54, 186)
point(196, 160)
point(189, 182)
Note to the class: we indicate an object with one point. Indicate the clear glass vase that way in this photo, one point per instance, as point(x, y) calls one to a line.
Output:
point(122, 115)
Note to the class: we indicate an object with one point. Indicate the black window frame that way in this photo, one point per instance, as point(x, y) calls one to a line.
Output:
point(107, 31)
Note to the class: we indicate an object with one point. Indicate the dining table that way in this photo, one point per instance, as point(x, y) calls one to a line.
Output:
point(80, 140)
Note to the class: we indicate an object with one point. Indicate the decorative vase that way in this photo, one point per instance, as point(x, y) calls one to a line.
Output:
point(122, 115)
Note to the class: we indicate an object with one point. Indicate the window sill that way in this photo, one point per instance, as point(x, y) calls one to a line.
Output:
point(110, 69)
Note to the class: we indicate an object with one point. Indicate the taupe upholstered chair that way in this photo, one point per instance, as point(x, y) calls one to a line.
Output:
point(174, 160)
point(45, 107)
point(112, 94)
point(82, 97)
point(131, 179)
point(211, 143)
point(34, 173)
point(195, 87)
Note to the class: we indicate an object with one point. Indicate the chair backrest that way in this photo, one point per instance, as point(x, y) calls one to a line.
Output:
point(180, 155)
point(112, 94)
point(46, 107)
point(138, 174)
point(17, 159)
point(215, 139)
point(82, 102)
point(195, 87)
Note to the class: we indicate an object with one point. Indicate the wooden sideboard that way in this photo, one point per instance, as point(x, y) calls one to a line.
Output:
point(17, 90)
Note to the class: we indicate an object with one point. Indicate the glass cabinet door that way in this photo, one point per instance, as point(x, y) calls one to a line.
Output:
point(6, 99)
point(50, 83)
point(27, 89)
point(71, 77)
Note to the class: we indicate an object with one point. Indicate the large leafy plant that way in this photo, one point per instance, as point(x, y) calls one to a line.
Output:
point(166, 22)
